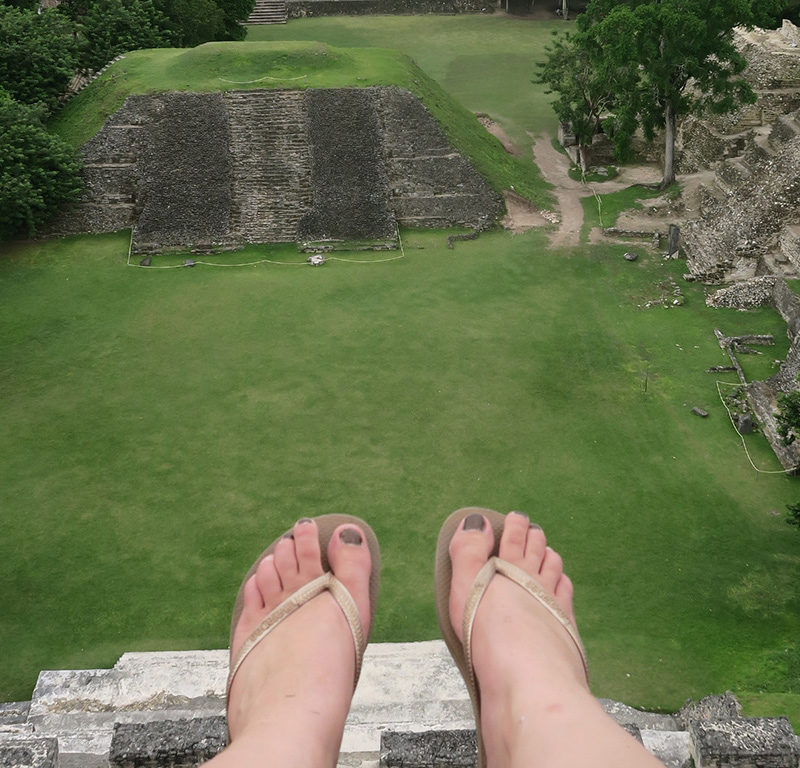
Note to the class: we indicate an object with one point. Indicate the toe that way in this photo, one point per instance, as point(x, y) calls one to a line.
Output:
point(551, 571)
point(514, 537)
point(535, 548)
point(563, 594)
point(469, 549)
point(286, 563)
point(268, 583)
point(307, 551)
point(349, 557)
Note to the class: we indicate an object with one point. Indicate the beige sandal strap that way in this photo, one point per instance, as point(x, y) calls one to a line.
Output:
point(316, 587)
point(532, 587)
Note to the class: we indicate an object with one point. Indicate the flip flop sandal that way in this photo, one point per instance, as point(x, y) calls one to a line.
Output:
point(462, 654)
point(326, 525)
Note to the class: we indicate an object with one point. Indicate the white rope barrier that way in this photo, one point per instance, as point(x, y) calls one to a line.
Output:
point(741, 437)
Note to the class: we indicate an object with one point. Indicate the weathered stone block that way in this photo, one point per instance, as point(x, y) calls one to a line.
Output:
point(429, 749)
point(743, 742)
point(29, 753)
point(167, 743)
point(12, 712)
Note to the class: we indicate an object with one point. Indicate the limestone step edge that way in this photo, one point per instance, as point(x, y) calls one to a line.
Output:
point(404, 688)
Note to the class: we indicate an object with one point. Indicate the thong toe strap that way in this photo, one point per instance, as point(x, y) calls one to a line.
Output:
point(326, 582)
point(497, 566)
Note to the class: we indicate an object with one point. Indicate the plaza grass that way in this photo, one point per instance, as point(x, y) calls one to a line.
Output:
point(160, 426)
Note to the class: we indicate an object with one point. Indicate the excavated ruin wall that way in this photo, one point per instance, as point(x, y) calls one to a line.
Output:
point(183, 170)
point(763, 395)
point(185, 173)
point(750, 219)
point(299, 9)
point(349, 186)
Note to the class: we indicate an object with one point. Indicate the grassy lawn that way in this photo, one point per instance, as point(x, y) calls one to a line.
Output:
point(159, 426)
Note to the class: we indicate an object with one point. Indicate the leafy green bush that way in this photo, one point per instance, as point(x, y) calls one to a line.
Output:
point(39, 172)
point(38, 54)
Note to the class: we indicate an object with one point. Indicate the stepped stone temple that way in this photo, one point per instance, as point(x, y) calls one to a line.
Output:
point(410, 710)
point(207, 171)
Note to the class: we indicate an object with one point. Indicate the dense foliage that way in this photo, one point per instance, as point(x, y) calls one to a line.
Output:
point(39, 171)
point(111, 27)
point(661, 59)
point(38, 54)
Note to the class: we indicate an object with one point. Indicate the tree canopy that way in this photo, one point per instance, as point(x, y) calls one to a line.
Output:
point(38, 54)
point(39, 171)
point(663, 59)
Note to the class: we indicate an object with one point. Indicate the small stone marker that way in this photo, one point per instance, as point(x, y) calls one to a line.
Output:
point(744, 424)
point(631, 256)
point(145, 262)
point(699, 412)
point(189, 263)
point(673, 239)
point(315, 259)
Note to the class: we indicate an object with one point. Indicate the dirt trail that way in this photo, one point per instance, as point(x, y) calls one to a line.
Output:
point(554, 167)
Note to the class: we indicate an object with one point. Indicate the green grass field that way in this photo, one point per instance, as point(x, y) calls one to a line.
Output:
point(160, 426)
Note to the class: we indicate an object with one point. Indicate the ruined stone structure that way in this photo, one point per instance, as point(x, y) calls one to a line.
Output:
point(410, 710)
point(207, 171)
point(749, 215)
point(763, 395)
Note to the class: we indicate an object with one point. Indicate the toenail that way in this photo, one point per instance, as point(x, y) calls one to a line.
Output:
point(474, 522)
point(289, 535)
point(521, 514)
point(304, 520)
point(536, 527)
point(350, 536)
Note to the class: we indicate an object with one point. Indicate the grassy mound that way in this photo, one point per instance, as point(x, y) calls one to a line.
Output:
point(293, 65)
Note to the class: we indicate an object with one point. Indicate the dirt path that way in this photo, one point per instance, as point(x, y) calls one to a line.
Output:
point(555, 166)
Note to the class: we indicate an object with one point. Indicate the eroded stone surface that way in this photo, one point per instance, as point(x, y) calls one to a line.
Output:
point(743, 742)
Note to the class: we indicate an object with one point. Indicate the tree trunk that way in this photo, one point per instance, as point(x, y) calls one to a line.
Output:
point(669, 147)
point(583, 157)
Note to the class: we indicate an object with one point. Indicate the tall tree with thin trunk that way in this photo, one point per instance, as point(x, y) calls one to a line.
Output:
point(683, 54)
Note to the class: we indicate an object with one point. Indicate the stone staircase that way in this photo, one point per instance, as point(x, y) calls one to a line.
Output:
point(432, 185)
point(268, 12)
point(271, 167)
point(167, 709)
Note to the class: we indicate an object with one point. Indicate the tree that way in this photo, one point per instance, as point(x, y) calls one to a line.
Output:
point(111, 27)
point(585, 82)
point(38, 173)
point(193, 21)
point(38, 54)
point(680, 58)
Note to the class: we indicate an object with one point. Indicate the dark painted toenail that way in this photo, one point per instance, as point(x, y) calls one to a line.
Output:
point(350, 536)
point(536, 527)
point(474, 522)
point(304, 520)
point(521, 514)
point(289, 535)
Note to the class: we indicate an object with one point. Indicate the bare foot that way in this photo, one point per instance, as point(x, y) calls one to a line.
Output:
point(535, 704)
point(289, 699)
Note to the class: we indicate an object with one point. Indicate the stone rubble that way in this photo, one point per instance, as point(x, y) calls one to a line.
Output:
point(411, 710)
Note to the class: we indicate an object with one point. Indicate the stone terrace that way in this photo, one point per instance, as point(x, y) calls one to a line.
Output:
point(209, 171)
point(411, 709)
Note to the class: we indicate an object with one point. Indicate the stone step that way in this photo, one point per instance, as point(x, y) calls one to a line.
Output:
point(167, 708)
